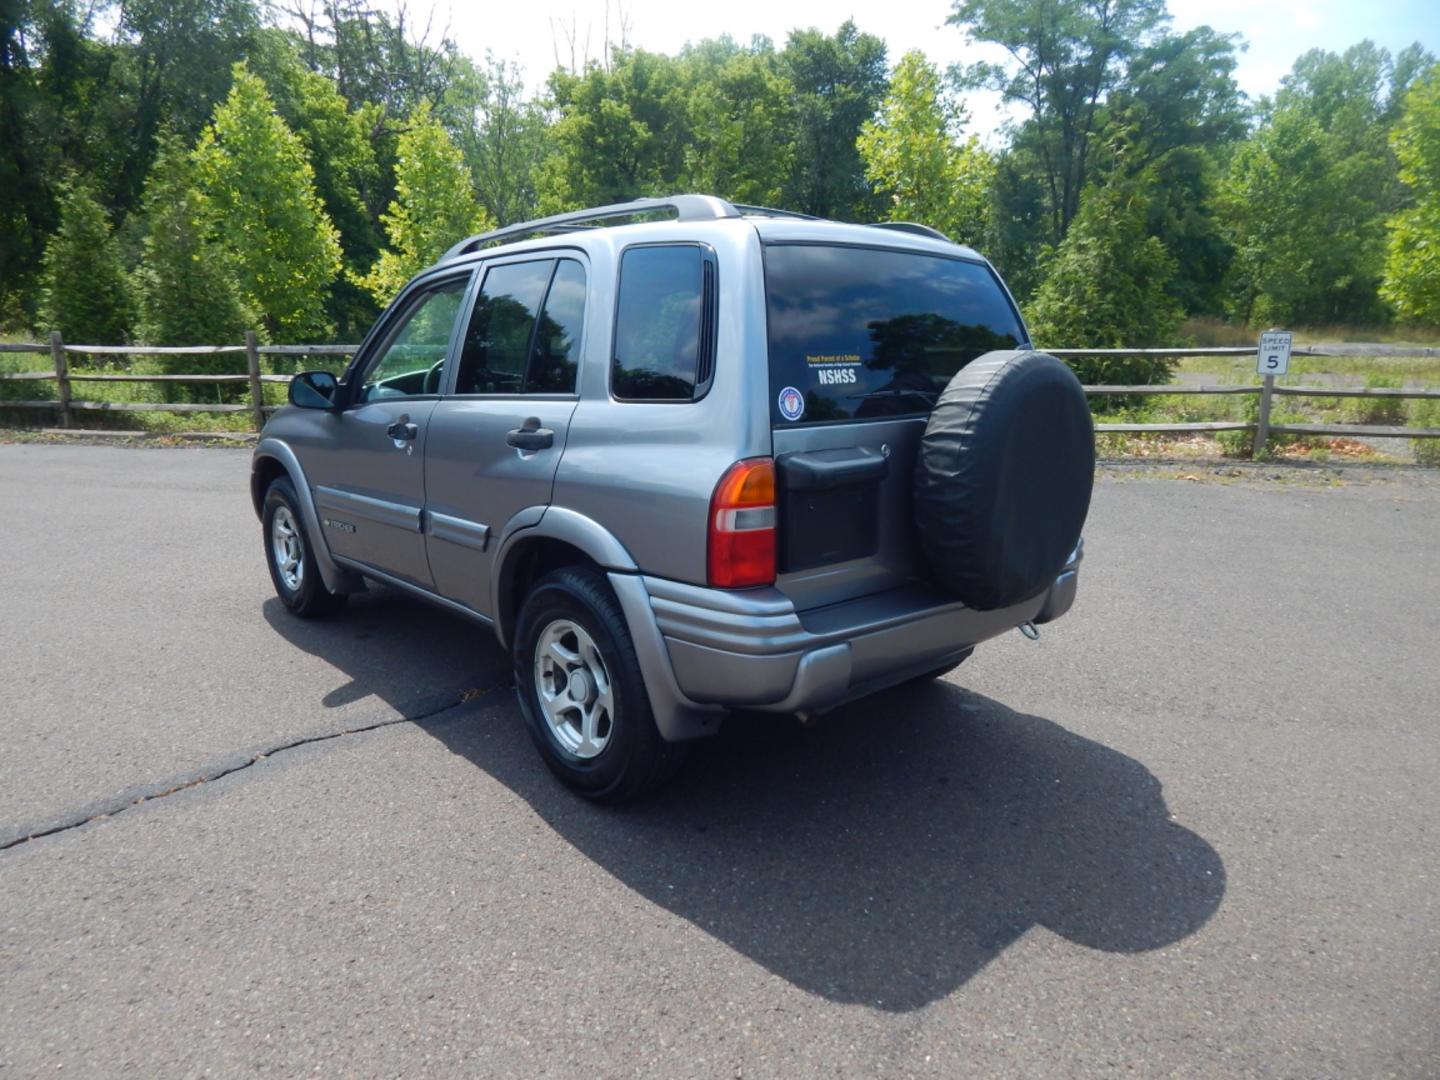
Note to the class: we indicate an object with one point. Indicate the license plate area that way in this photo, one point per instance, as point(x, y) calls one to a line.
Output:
point(829, 506)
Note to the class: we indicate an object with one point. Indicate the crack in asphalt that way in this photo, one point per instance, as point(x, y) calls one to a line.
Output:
point(119, 806)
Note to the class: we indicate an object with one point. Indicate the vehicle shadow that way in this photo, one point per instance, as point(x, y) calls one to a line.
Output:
point(882, 858)
point(412, 656)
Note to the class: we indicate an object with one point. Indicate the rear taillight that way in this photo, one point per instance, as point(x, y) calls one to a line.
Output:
point(742, 526)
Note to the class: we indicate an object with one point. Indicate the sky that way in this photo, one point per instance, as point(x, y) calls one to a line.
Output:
point(1276, 31)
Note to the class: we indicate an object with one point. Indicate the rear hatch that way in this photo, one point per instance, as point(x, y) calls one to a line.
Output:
point(861, 342)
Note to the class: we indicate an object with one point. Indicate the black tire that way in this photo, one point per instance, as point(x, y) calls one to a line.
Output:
point(634, 761)
point(1003, 478)
point(307, 596)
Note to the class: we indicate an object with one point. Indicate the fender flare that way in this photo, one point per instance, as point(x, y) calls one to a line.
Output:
point(336, 579)
point(549, 523)
point(677, 717)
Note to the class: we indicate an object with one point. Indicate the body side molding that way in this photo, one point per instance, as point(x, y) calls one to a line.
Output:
point(398, 515)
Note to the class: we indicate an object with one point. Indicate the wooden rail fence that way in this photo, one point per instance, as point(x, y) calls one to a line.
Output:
point(63, 377)
point(66, 404)
point(1266, 390)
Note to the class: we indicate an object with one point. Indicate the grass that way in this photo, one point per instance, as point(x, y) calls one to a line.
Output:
point(1242, 368)
point(1210, 332)
point(1426, 414)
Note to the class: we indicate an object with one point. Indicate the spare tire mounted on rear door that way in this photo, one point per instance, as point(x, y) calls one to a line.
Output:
point(1003, 478)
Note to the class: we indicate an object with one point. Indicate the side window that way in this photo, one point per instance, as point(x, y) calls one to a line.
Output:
point(413, 359)
point(664, 324)
point(557, 339)
point(497, 341)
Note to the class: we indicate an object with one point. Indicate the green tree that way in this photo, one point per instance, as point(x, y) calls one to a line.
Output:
point(620, 132)
point(719, 118)
point(1412, 262)
point(171, 66)
point(502, 135)
point(1174, 117)
point(269, 221)
point(1104, 287)
point(340, 143)
point(376, 56)
point(1182, 216)
point(913, 156)
point(739, 119)
point(85, 293)
point(434, 207)
point(1306, 197)
point(1066, 56)
point(1178, 92)
point(838, 83)
point(1019, 220)
point(50, 68)
point(186, 288)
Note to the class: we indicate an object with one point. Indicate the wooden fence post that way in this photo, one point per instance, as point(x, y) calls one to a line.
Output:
point(257, 392)
point(62, 377)
point(1262, 429)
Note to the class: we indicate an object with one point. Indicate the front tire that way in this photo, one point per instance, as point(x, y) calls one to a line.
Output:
point(290, 555)
point(582, 693)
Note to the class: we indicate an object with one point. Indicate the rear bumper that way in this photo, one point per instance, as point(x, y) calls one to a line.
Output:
point(753, 650)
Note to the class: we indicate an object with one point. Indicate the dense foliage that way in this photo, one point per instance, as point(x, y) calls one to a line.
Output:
point(1412, 265)
point(1104, 288)
point(914, 157)
point(434, 206)
point(188, 292)
point(84, 291)
point(179, 172)
point(268, 221)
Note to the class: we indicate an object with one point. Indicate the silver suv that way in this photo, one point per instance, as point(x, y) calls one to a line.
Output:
point(686, 457)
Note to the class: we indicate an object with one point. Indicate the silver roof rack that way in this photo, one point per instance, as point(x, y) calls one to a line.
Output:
point(770, 211)
point(686, 208)
point(912, 227)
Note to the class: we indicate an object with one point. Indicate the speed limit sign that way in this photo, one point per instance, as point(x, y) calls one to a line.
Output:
point(1274, 355)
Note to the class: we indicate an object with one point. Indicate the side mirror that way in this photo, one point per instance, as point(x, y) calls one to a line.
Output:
point(313, 390)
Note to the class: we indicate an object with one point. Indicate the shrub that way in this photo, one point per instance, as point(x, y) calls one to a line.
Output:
point(1104, 287)
point(86, 295)
point(1377, 410)
point(1241, 444)
point(278, 240)
point(187, 291)
point(1426, 414)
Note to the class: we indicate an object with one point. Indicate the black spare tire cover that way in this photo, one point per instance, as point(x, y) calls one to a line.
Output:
point(1003, 478)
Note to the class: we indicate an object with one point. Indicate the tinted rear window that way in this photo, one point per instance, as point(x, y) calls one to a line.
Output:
point(858, 333)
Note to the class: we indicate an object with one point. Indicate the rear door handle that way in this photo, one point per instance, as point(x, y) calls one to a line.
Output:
point(530, 436)
point(400, 431)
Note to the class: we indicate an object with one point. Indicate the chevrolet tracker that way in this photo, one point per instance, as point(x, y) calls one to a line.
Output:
point(734, 458)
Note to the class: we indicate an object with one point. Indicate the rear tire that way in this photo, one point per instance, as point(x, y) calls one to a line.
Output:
point(290, 555)
point(582, 693)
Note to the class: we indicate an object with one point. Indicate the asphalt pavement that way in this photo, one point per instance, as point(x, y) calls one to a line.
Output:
point(1190, 832)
